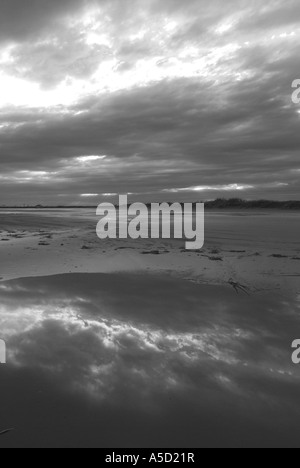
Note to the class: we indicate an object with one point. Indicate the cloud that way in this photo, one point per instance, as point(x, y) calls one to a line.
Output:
point(89, 195)
point(18, 22)
point(175, 97)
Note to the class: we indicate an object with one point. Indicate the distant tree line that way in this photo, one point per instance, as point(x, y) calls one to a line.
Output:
point(248, 204)
point(219, 203)
point(238, 203)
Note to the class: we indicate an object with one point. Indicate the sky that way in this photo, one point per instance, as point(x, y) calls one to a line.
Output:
point(160, 100)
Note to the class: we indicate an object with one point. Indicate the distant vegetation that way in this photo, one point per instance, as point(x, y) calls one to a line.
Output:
point(219, 203)
point(222, 203)
point(238, 203)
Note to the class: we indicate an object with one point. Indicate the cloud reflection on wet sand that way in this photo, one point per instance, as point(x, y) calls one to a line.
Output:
point(162, 360)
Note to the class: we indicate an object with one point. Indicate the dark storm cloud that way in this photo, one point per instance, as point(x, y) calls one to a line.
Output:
point(156, 134)
point(274, 14)
point(20, 20)
point(231, 123)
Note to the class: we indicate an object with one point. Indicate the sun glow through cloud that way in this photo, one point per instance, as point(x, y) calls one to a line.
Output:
point(106, 76)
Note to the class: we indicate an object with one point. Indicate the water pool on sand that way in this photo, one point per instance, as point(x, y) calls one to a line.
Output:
point(127, 360)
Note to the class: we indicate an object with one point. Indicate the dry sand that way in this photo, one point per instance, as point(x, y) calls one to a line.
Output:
point(256, 249)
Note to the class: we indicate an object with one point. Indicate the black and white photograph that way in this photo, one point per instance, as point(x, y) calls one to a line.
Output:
point(149, 226)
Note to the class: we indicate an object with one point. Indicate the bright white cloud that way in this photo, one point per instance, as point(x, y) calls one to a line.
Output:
point(24, 93)
point(28, 176)
point(204, 188)
point(89, 195)
point(86, 159)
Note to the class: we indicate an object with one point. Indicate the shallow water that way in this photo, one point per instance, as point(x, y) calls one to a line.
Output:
point(146, 361)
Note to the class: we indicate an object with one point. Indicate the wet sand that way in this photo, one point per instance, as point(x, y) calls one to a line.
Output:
point(126, 360)
point(144, 344)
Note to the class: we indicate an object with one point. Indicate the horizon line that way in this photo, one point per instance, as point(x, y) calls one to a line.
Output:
point(218, 202)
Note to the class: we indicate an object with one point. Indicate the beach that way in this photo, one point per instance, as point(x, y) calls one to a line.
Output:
point(124, 343)
point(257, 248)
